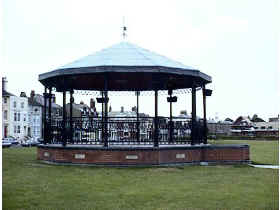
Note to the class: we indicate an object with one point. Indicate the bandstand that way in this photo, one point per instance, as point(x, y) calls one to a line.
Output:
point(101, 139)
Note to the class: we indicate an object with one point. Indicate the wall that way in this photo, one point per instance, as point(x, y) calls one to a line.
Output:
point(144, 156)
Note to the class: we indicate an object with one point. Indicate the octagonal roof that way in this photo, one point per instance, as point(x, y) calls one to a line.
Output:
point(125, 54)
point(125, 62)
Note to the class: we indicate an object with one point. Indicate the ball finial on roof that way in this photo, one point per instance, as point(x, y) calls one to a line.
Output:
point(124, 30)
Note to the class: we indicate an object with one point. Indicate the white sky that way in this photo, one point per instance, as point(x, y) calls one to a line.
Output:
point(235, 42)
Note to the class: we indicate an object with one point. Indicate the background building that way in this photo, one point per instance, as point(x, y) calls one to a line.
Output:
point(6, 127)
point(35, 113)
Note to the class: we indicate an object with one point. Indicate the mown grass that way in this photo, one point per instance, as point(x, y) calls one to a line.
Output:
point(261, 152)
point(29, 184)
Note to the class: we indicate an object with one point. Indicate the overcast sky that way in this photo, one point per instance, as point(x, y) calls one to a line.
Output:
point(235, 42)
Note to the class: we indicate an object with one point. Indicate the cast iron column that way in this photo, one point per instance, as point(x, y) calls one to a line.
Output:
point(64, 140)
point(156, 144)
point(50, 115)
point(102, 116)
point(194, 133)
point(170, 120)
point(204, 115)
point(45, 116)
point(71, 115)
point(106, 113)
point(137, 114)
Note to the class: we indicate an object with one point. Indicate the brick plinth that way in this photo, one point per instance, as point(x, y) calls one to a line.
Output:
point(81, 154)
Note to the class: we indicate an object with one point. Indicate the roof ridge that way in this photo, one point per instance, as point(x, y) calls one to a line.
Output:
point(136, 49)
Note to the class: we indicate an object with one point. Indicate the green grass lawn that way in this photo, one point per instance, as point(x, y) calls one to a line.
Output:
point(29, 184)
point(261, 152)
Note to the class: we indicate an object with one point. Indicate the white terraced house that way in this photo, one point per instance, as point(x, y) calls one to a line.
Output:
point(15, 113)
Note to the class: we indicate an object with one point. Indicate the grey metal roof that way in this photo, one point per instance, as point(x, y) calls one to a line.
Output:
point(125, 54)
point(118, 60)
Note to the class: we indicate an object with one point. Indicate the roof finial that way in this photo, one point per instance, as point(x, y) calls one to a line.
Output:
point(124, 30)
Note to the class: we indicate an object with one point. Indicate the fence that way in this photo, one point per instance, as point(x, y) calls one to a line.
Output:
point(120, 130)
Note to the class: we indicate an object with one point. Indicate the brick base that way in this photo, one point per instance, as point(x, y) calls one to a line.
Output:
point(80, 154)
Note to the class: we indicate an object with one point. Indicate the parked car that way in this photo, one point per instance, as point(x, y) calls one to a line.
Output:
point(30, 143)
point(40, 140)
point(212, 137)
point(26, 143)
point(6, 143)
point(11, 140)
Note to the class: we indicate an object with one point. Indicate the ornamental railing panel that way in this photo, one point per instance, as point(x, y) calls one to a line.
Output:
point(121, 131)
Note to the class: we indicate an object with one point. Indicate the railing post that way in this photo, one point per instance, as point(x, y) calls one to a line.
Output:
point(64, 140)
point(194, 133)
point(156, 141)
point(71, 115)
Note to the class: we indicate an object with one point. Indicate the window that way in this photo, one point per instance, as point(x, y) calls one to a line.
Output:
point(15, 104)
point(269, 127)
point(263, 127)
point(5, 100)
point(22, 104)
point(15, 116)
point(15, 129)
point(18, 129)
point(18, 116)
point(5, 115)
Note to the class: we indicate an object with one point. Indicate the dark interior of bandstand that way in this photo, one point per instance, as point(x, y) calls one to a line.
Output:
point(97, 130)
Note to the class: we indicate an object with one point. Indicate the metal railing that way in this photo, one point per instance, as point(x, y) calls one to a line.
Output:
point(120, 131)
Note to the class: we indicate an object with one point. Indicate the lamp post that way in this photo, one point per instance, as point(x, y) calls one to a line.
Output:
point(171, 100)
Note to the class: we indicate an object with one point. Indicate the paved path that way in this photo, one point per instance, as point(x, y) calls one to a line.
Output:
point(265, 166)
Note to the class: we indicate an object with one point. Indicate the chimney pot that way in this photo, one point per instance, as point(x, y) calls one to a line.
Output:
point(22, 94)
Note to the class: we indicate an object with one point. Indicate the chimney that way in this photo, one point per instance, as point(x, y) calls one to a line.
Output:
point(4, 83)
point(32, 95)
point(110, 108)
point(134, 109)
point(23, 94)
point(92, 103)
point(122, 109)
